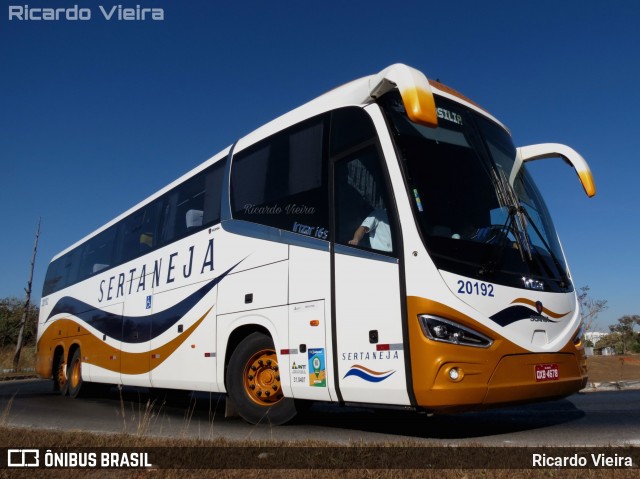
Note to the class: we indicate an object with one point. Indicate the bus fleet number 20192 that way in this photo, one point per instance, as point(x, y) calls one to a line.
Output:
point(475, 287)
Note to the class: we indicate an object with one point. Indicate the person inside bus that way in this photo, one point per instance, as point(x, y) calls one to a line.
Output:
point(376, 225)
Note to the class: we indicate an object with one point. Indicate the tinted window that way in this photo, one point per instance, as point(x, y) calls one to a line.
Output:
point(54, 280)
point(361, 198)
point(473, 221)
point(281, 181)
point(98, 253)
point(192, 205)
point(70, 265)
point(362, 202)
point(350, 128)
point(139, 232)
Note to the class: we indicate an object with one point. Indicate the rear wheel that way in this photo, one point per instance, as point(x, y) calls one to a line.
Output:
point(253, 380)
point(74, 374)
point(60, 382)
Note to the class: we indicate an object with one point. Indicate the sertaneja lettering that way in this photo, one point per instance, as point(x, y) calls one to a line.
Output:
point(176, 265)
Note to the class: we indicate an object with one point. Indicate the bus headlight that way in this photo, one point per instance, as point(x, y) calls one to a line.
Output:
point(446, 331)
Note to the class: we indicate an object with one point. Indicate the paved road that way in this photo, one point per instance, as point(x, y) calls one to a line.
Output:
point(594, 419)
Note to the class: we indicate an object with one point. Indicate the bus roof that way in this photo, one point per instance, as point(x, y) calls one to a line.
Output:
point(355, 93)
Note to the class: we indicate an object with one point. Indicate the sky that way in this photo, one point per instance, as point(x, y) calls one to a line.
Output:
point(97, 115)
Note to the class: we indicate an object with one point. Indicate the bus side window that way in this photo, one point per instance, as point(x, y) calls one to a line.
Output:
point(362, 217)
point(98, 253)
point(139, 232)
point(192, 205)
point(282, 181)
point(361, 197)
point(71, 265)
point(212, 191)
point(54, 279)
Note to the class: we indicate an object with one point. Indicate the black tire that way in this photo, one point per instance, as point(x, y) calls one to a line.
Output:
point(74, 374)
point(253, 382)
point(60, 382)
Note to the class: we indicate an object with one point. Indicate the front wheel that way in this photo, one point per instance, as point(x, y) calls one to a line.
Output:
point(253, 382)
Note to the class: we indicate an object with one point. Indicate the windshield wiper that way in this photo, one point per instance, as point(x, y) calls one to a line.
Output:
point(563, 276)
point(511, 225)
point(519, 220)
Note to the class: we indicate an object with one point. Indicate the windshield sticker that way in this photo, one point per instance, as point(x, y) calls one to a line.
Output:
point(418, 201)
point(449, 116)
point(314, 231)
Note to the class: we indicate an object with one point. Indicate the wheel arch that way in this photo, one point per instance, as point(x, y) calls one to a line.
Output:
point(236, 336)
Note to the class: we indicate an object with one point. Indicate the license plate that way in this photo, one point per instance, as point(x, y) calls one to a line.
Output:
point(547, 372)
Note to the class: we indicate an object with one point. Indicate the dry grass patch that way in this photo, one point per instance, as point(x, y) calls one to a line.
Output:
point(604, 369)
point(251, 468)
point(26, 366)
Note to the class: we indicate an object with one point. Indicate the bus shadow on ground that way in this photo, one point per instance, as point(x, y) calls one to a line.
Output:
point(446, 426)
point(210, 407)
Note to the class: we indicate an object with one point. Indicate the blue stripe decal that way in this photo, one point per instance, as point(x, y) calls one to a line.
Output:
point(133, 329)
point(514, 314)
point(362, 374)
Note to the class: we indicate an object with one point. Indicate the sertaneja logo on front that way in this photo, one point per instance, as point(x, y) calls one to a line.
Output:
point(77, 13)
point(367, 374)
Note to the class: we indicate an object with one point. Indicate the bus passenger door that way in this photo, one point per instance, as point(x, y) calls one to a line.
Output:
point(366, 282)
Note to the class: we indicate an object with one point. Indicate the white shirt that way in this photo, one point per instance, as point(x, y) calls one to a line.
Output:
point(377, 224)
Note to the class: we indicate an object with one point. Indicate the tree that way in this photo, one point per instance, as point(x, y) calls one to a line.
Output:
point(590, 308)
point(11, 315)
point(27, 305)
point(625, 333)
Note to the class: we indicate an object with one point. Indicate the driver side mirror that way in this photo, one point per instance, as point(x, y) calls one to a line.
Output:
point(555, 150)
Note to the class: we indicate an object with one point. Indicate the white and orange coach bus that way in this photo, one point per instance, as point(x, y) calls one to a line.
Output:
point(383, 244)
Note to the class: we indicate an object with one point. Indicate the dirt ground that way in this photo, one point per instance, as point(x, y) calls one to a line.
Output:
point(613, 368)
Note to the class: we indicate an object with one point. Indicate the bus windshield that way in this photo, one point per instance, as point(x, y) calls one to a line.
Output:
point(474, 223)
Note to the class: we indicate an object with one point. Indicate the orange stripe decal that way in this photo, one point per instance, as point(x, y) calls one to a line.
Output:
point(531, 303)
point(101, 354)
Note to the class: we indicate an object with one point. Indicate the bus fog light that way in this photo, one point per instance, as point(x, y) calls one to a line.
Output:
point(454, 374)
